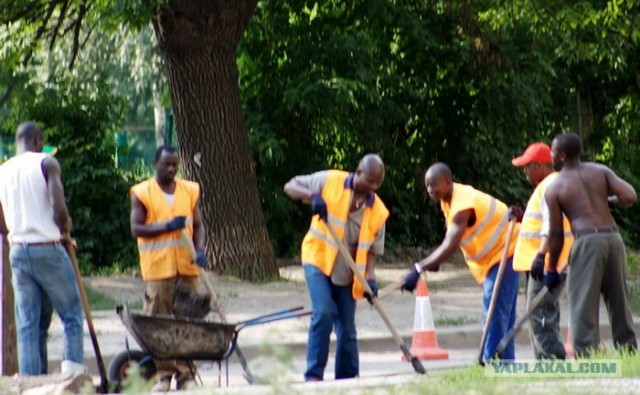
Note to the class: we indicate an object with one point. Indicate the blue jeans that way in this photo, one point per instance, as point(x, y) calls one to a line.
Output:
point(43, 277)
point(332, 306)
point(504, 316)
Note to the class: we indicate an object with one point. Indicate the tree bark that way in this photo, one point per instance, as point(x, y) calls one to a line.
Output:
point(159, 119)
point(198, 40)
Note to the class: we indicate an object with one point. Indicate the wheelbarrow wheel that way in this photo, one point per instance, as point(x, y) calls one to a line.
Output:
point(120, 364)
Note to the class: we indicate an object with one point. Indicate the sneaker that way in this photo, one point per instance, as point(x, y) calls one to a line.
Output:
point(72, 367)
point(163, 385)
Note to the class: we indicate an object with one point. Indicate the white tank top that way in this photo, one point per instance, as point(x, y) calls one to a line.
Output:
point(25, 201)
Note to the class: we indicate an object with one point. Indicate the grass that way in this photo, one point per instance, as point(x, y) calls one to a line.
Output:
point(454, 321)
point(100, 301)
point(633, 280)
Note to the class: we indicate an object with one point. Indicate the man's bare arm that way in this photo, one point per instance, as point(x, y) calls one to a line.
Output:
point(3, 223)
point(56, 194)
point(369, 271)
point(621, 193)
point(198, 228)
point(555, 239)
point(138, 216)
point(450, 243)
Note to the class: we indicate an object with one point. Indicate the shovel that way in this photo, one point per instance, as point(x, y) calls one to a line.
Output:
point(535, 302)
point(68, 244)
point(417, 365)
point(496, 289)
point(216, 301)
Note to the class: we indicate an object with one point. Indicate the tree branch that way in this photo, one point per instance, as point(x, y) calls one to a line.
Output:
point(6, 96)
point(76, 34)
point(56, 28)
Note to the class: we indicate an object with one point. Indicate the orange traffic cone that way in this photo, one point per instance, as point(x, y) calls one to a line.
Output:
point(424, 344)
point(568, 343)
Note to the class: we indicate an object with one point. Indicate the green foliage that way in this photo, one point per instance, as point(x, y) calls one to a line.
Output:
point(78, 123)
point(417, 82)
point(469, 83)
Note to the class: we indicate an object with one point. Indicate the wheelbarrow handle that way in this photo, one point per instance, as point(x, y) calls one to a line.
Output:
point(264, 320)
point(275, 313)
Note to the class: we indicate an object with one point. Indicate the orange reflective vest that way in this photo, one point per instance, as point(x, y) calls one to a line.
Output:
point(530, 237)
point(166, 255)
point(320, 249)
point(483, 242)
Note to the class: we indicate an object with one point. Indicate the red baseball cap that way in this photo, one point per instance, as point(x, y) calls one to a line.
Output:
point(536, 152)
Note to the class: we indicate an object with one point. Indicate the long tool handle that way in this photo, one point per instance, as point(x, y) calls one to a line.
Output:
point(68, 244)
point(496, 289)
point(535, 302)
point(271, 318)
point(417, 365)
point(216, 301)
point(269, 315)
point(383, 293)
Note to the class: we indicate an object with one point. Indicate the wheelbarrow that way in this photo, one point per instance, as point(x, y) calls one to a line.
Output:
point(169, 337)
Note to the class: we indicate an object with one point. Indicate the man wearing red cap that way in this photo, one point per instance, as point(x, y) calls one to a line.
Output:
point(531, 252)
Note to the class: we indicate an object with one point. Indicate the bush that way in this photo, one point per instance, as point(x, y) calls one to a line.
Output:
point(79, 124)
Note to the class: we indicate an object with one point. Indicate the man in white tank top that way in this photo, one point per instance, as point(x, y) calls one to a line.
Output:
point(34, 215)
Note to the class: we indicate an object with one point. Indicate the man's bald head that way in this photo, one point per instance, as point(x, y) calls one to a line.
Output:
point(438, 181)
point(370, 174)
point(438, 171)
point(29, 137)
point(371, 163)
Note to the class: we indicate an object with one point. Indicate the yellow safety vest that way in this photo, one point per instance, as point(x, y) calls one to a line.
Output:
point(166, 255)
point(320, 249)
point(482, 243)
point(530, 237)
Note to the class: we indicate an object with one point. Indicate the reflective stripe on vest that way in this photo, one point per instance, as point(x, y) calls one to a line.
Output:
point(495, 237)
point(320, 249)
point(483, 242)
point(530, 235)
point(167, 254)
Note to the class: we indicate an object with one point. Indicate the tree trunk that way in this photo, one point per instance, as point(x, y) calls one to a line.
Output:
point(159, 119)
point(198, 40)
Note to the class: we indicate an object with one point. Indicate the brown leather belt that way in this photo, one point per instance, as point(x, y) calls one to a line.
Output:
point(585, 232)
point(43, 243)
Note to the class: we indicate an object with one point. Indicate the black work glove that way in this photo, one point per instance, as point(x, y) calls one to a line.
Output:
point(319, 206)
point(411, 279)
point(551, 280)
point(201, 258)
point(537, 267)
point(176, 223)
point(373, 284)
point(515, 213)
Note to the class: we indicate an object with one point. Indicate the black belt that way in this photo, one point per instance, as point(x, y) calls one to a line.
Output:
point(585, 232)
point(42, 243)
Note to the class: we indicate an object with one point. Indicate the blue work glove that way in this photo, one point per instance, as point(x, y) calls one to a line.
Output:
point(537, 267)
point(515, 213)
point(319, 206)
point(201, 258)
point(176, 223)
point(411, 279)
point(373, 284)
point(551, 280)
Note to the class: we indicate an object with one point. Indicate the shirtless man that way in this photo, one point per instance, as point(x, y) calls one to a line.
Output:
point(583, 192)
